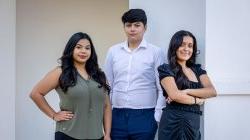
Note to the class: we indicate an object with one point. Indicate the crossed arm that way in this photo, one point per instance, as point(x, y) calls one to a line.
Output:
point(189, 96)
point(207, 91)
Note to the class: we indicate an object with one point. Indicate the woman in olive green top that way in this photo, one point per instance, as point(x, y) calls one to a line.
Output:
point(85, 110)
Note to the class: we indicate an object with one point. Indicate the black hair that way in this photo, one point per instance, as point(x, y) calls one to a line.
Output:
point(175, 43)
point(68, 78)
point(135, 15)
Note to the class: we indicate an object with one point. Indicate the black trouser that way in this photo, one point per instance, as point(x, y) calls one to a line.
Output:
point(62, 136)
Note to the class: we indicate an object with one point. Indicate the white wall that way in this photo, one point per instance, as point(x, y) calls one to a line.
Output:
point(43, 28)
point(7, 70)
point(226, 117)
point(227, 61)
point(227, 40)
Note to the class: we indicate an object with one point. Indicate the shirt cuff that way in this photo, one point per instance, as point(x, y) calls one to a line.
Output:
point(157, 114)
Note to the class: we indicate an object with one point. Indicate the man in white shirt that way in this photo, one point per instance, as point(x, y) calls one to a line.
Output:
point(131, 70)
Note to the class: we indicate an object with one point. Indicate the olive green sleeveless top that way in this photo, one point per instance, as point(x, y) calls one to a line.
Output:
point(86, 100)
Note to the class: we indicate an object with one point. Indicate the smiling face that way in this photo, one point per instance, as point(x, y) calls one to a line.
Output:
point(185, 51)
point(134, 31)
point(82, 51)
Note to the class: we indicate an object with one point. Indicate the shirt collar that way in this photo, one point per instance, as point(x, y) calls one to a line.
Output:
point(143, 44)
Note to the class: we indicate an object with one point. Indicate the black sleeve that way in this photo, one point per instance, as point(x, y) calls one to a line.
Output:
point(165, 71)
point(199, 70)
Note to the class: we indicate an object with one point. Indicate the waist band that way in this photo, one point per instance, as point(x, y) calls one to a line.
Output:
point(183, 107)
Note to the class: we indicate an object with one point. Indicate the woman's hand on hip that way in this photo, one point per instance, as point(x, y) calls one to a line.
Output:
point(63, 116)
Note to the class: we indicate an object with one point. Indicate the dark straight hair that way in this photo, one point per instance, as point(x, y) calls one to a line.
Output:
point(135, 15)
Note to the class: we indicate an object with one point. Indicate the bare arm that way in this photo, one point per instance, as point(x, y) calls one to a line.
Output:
point(107, 118)
point(42, 88)
point(207, 91)
point(177, 95)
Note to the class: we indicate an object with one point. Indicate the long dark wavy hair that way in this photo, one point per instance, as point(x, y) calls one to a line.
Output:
point(68, 78)
point(175, 43)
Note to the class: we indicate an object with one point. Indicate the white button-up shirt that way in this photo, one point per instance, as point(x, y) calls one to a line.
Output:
point(133, 77)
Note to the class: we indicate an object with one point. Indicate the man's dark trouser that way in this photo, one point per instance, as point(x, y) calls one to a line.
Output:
point(133, 124)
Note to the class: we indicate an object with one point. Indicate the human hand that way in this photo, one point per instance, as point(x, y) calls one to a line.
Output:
point(63, 116)
point(200, 101)
point(169, 100)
